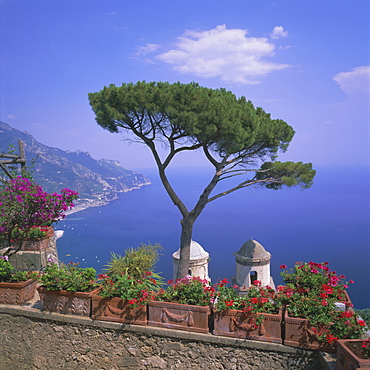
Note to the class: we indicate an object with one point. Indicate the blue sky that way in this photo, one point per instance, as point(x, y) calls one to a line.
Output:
point(306, 62)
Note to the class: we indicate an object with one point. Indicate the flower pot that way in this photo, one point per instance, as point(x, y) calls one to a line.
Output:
point(65, 302)
point(238, 324)
point(348, 352)
point(17, 293)
point(179, 316)
point(298, 333)
point(39, 244)
point(118, 310)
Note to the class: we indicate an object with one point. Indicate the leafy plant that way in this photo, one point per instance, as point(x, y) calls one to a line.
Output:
point(135, 262)
point(188, 290)
point(137, 292)
point(35, 232)
point(69, 277)
point(6, 268)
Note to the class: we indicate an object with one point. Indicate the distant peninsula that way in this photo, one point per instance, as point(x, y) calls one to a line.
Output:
point(97, 181)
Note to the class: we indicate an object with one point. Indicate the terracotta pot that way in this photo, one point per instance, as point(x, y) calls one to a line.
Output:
point(39, 244)
point(347, 359)
point(237, 324)
point(17, 293)
point(117, 310)
point(179, 316)
point(298, 333)
point(63, 301)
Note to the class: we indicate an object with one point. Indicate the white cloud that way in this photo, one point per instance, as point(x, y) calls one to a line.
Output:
point(225, 53)
point(111, 13)
point(147, 49)
point(10, 116)
point(278, 32)
point(355, 81)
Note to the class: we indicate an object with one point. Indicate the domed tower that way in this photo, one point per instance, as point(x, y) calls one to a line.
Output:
point(252, 263)
point(198, 264)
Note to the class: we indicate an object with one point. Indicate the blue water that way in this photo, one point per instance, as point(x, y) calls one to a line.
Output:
point(329, 222)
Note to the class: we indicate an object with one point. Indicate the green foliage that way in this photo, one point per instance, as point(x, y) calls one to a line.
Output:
point(35, 232)
point(69, 277)
point(6, 269)
point(213, 117)
point(20, 276)
point(135, 262)
point(137, 292)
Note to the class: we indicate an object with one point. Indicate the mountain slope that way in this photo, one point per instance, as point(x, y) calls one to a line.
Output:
point(56, 169)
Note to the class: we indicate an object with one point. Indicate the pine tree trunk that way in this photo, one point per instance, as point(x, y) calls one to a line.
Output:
point(185, 240)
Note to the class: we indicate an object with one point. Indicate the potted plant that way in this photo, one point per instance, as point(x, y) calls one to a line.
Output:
point(353, 354)
point(36, 239)
point(312, 319)
point(128, 285)
point(253, 315)
point(16, 287)
point(184, 305)
point(24, 206)
point(67, 288)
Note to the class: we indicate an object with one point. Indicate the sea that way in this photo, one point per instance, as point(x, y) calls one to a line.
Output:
point(327, 223)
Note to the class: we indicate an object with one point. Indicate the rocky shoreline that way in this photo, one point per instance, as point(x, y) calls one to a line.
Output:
point(86, 203)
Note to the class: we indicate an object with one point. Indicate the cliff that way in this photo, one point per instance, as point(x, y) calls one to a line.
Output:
point(97, 181)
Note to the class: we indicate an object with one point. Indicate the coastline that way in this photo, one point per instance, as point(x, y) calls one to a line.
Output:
point(86, 203)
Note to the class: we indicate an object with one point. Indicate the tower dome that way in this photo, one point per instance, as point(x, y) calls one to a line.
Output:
point(198, 264)
point(252, 263)
point(252, 253)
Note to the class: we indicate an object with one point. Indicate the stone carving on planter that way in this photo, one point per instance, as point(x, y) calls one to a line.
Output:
point(237, 324)
point(17, 293)
point(179, 316)
point(118, 310)
point(62, 301)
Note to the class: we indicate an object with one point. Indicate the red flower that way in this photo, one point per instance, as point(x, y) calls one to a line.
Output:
point(132, 301)
point(229, 303)
point(254, 300)
point(324, 303)
point(283, 266)
point(361, 322)
point(330, 338)
point(346, 314)
point(256, 283)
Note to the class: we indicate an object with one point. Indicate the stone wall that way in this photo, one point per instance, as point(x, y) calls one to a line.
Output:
point(32, 339)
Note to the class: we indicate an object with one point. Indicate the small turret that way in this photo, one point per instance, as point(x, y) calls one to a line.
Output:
point(198, 264)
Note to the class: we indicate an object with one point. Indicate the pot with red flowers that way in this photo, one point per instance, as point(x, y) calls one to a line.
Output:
point(251, 314)
point(127, 286)
point(312, 318)
point(184, 304)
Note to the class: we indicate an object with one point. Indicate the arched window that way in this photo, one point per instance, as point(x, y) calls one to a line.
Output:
point(190, 273)
point(253, 276)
